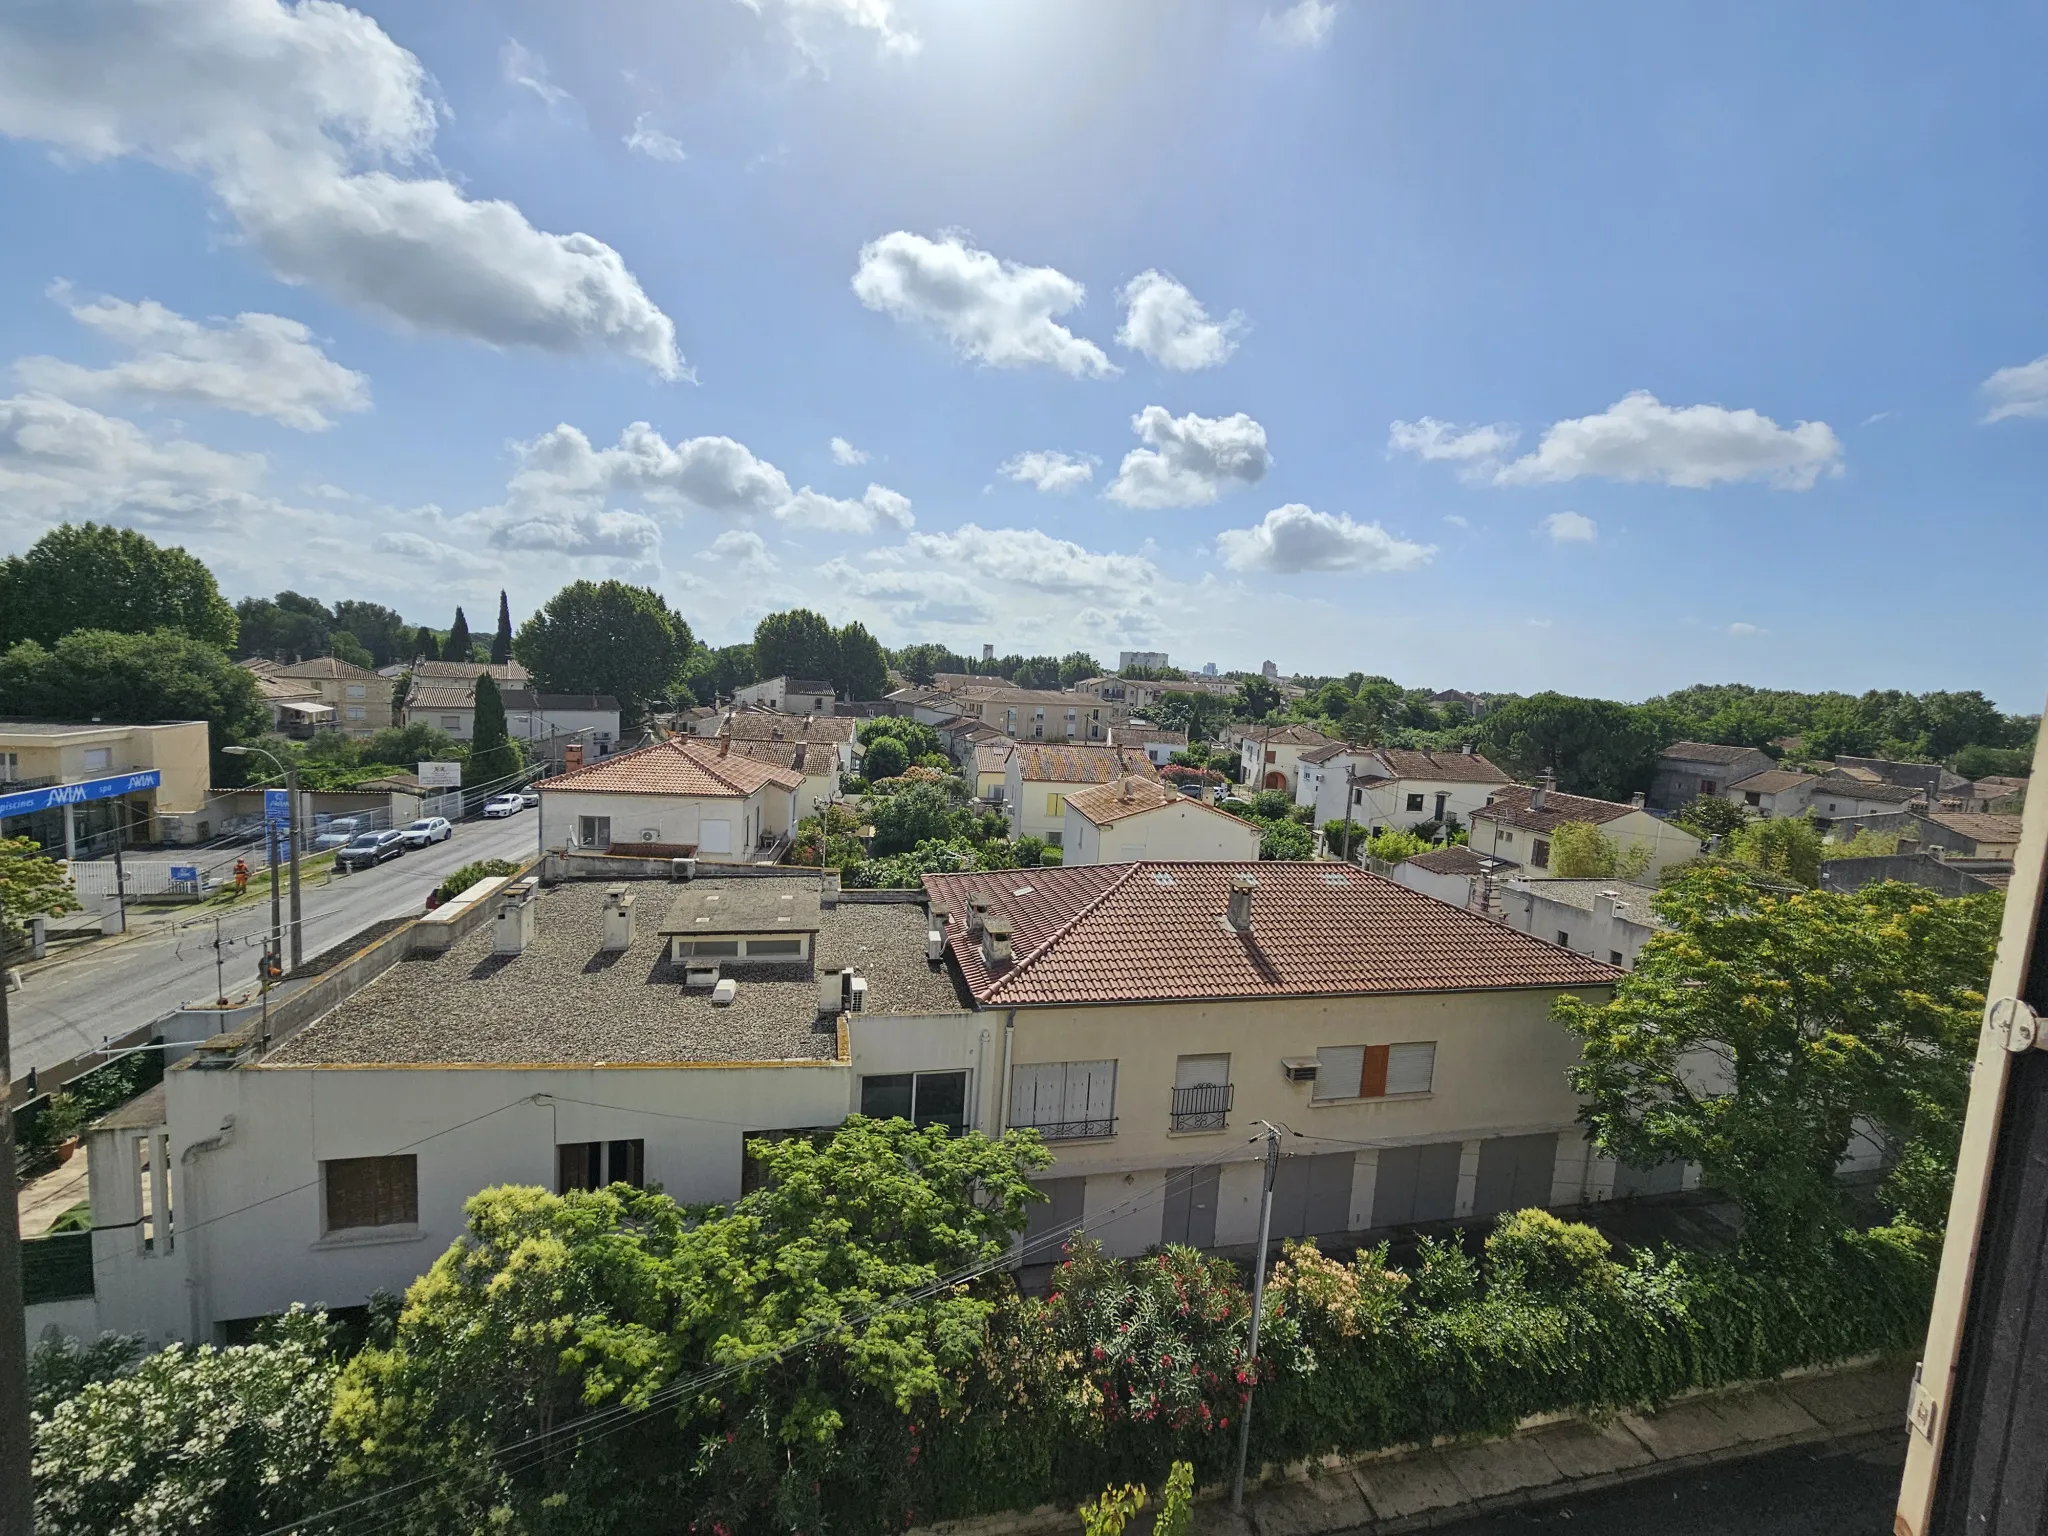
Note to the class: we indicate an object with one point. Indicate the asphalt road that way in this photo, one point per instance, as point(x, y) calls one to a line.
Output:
point(112, 985)
point(1812, 1492)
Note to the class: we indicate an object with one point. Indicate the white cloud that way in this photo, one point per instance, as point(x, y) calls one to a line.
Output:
point(525, 68)
point(576, 533)
point(747, 551)
point(844, 453)
point(1296, 538)
point(648, 140)
point(2019, 391)
point(1191, 461)
point(1169, 325)
point(1304, 25)
point(300, 119)
point(1030, 559)
point(1456, 521)
point(263, 365)
point(1435, 441)
point(1570, 528)
point(1740, 628)
point(990, 310)
point(1693, 446)
point(913, 598)
point(445, 560)
point(1047, 469)
point(60, 460)
point(879, 17)
point(879, 507)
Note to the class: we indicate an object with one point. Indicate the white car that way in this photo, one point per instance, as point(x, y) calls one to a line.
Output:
point(504, 805)
point(428, 829)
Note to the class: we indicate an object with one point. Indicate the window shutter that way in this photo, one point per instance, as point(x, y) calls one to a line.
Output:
point(1372, 1081)
point(398, 1192)
point(1091, 1090)
point(1037, 1093)
point(1339, 1069)
point(1410, 1068)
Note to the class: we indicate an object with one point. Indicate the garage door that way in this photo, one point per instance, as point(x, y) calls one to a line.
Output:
point(1416, 1184)
point(1050, 1223)
point(1515, 1172)
point(1312, 1195)
point(1190, 1217)
point(1665, 1179)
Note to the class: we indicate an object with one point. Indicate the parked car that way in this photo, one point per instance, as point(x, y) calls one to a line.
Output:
point(330, 840)
point(428, 829)
point(370, 849)
point(504, 805)
point(530, 798)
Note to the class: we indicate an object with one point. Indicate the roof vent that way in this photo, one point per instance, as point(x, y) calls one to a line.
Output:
point(723, 994)
point(618, 920)
point(995, 943)
point(1242, 884)
point(700, 975)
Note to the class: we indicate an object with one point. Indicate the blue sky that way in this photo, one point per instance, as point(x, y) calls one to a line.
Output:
point(1608, 348)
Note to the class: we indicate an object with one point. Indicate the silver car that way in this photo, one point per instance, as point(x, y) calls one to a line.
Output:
point(428, 829)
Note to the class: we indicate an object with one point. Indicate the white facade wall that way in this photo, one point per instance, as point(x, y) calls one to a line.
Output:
point(672, 818)
point(1668, 844)
point(1325, 786)
point(599, 727)
point(1454, 889)
point(1602, 933)
point(1185, 831)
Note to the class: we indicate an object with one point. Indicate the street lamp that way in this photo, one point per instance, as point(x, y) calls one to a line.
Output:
point(291, 789)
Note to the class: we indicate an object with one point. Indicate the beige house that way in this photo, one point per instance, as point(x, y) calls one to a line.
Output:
point(1154, 1014)
point(675, 798)
point(65, 784)
point(1038, 778)
point(1269, 756)
point(1516, 826)
point(817, 761)
point(361, 699)
point(295, 707)
point(1139, 818)
point(992, 768)
point(1027, 714)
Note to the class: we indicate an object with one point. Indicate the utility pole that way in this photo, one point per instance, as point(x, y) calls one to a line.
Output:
point(17, 1495)
point(1244, 1421)
point(275, 948)
point(291, 788)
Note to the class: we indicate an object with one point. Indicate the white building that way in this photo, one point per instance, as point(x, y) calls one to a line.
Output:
point(1455, 875)
point(1152, 661)
point(1380, 787)
point(1140, 818)
point(1038, 777)
point(1610, 920)
point(680, 796)
point(1155, 741)
point(791, 695)
point(1774, 792)
point(593, 718)
point(1269, 756)
point(1518, 822)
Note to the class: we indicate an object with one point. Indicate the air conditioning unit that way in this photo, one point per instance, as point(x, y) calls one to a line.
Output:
point(1298, 1069)
point(682, 869)
point(935, 944)
point(857, 995)
point(650, 834)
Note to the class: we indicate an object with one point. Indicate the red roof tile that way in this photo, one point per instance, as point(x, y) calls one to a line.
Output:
point(1155, 932)
point(1051, 763)
point(1133, 795)
point(682, 765)
point(1510, 807)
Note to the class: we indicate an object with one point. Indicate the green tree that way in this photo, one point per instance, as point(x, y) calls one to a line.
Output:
point(885, 758)
point(818, 1295)
point(1581, 851)
point(30, 884)
point(916, 814)
point(921, 663)
point(1285, 840)
point(458, 646)
point(492, 755)
point(426, 645)
point(1201, 715)
point(288, 627)
point(860, 667)
point(1597, 747)
point(1390, 845)
point(1077, 667)
point(1789, 846)
point(344, 646)
point(380, 630)
point(605, 637)
point(919, 739)
point(1257, 697)
point(95, 576)
point(1036, 672)
point(798, 643)
point(1758, 1028)
point(1976, 762)
point(95, 673)
point(212, 1440)
point(501, 642)
point(1708, 817)
point(403, 746)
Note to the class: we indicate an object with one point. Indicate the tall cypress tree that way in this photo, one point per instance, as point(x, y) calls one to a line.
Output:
point(501, 642)
point(458, 647)
point(492, 755)
point(424, 646)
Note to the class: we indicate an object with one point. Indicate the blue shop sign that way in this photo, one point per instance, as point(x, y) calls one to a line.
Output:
point(185, 874)
point(277, 807)
point(56, 796)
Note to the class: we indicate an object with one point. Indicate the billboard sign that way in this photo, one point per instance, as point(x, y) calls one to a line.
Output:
point(440, 775)
point(55, 796)
point(277, 807)
point(185, 874)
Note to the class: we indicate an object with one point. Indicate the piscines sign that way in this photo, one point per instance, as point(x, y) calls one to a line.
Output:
point(56, 796)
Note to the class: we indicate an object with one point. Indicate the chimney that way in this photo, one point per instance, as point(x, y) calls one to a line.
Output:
point(977, 916)
point(995, 943)
point(572, 757)
point(1603, 906)
point(1123, 786)
point(1908, 846)
point(1466, 749)
point(1536, 796)
point(618, 920)
point(512, 929)
point(1637, 800)
point(828, 888)
point(1242, 884)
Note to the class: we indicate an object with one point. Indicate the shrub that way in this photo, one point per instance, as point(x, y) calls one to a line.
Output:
point(468, 875)
point(886, 757)
point(1286, 840)
point(1534, 1251)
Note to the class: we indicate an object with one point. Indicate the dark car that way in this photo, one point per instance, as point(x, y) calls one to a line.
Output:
point(371, 848)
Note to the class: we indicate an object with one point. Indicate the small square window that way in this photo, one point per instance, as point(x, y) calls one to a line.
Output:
point(1539, 853)
point(1564, 940)
point(1614, 957)
point(1415, 802)
point(371, 1192)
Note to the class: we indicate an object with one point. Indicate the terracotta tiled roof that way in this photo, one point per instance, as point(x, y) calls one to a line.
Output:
point(806, 757)
point(1980, 828)
point(1324, 754)
point(468, 671)
point(683, 765)
point(768, 725)
point(992, 756)
point(1052, 763)
point(329, 667)
point(1510, 807)
point(1849, 787)
point(1774, 781)
point(1107, 804)
point(441, 696)
point(1450, 767)
point(1705, 752)
point(1155, 932)
point(1283, 736)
